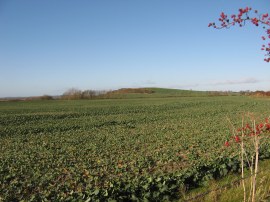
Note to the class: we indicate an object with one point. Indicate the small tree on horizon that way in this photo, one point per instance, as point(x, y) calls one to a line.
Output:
point(72, 94)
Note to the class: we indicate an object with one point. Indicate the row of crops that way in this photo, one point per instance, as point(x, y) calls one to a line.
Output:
point(105, 150)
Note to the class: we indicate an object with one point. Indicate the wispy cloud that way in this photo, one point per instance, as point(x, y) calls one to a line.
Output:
point(218, 83)
point(233, 82)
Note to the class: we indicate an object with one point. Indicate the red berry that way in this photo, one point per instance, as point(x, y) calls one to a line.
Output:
point(227, 144)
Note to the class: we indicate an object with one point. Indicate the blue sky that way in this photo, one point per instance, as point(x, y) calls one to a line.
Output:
point(47, 47)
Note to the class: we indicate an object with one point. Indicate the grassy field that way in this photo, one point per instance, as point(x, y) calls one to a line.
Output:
point(118, 149)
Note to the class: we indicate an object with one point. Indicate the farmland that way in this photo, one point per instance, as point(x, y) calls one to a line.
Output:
point(118, 149)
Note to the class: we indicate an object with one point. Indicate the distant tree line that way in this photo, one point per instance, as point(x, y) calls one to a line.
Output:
point(219, 93)
point(43, 97)
point(260, 93)
point(76, 94)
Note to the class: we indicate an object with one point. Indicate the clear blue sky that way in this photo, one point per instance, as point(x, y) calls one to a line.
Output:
point(47, 47)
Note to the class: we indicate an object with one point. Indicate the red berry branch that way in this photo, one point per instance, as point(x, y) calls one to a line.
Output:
point(249, 138)
point(244, 15)
point(249, 131)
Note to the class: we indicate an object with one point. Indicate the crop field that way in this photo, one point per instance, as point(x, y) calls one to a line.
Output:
point(118, 149)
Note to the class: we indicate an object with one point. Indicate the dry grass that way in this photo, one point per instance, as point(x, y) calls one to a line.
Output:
point(234, 192)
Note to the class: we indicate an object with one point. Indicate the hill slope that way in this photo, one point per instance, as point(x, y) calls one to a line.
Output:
point(153, 92)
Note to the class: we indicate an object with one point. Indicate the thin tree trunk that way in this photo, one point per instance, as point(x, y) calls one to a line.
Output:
point(242, 161)
point(256, 168)
point(251, 179)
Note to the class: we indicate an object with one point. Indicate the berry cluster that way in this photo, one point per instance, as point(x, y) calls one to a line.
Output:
point(244, 15)
point(250, 131)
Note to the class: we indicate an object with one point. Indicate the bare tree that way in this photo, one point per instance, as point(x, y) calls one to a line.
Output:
point(72, 94)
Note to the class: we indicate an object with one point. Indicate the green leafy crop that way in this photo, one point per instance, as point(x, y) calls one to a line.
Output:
point(126, 149)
